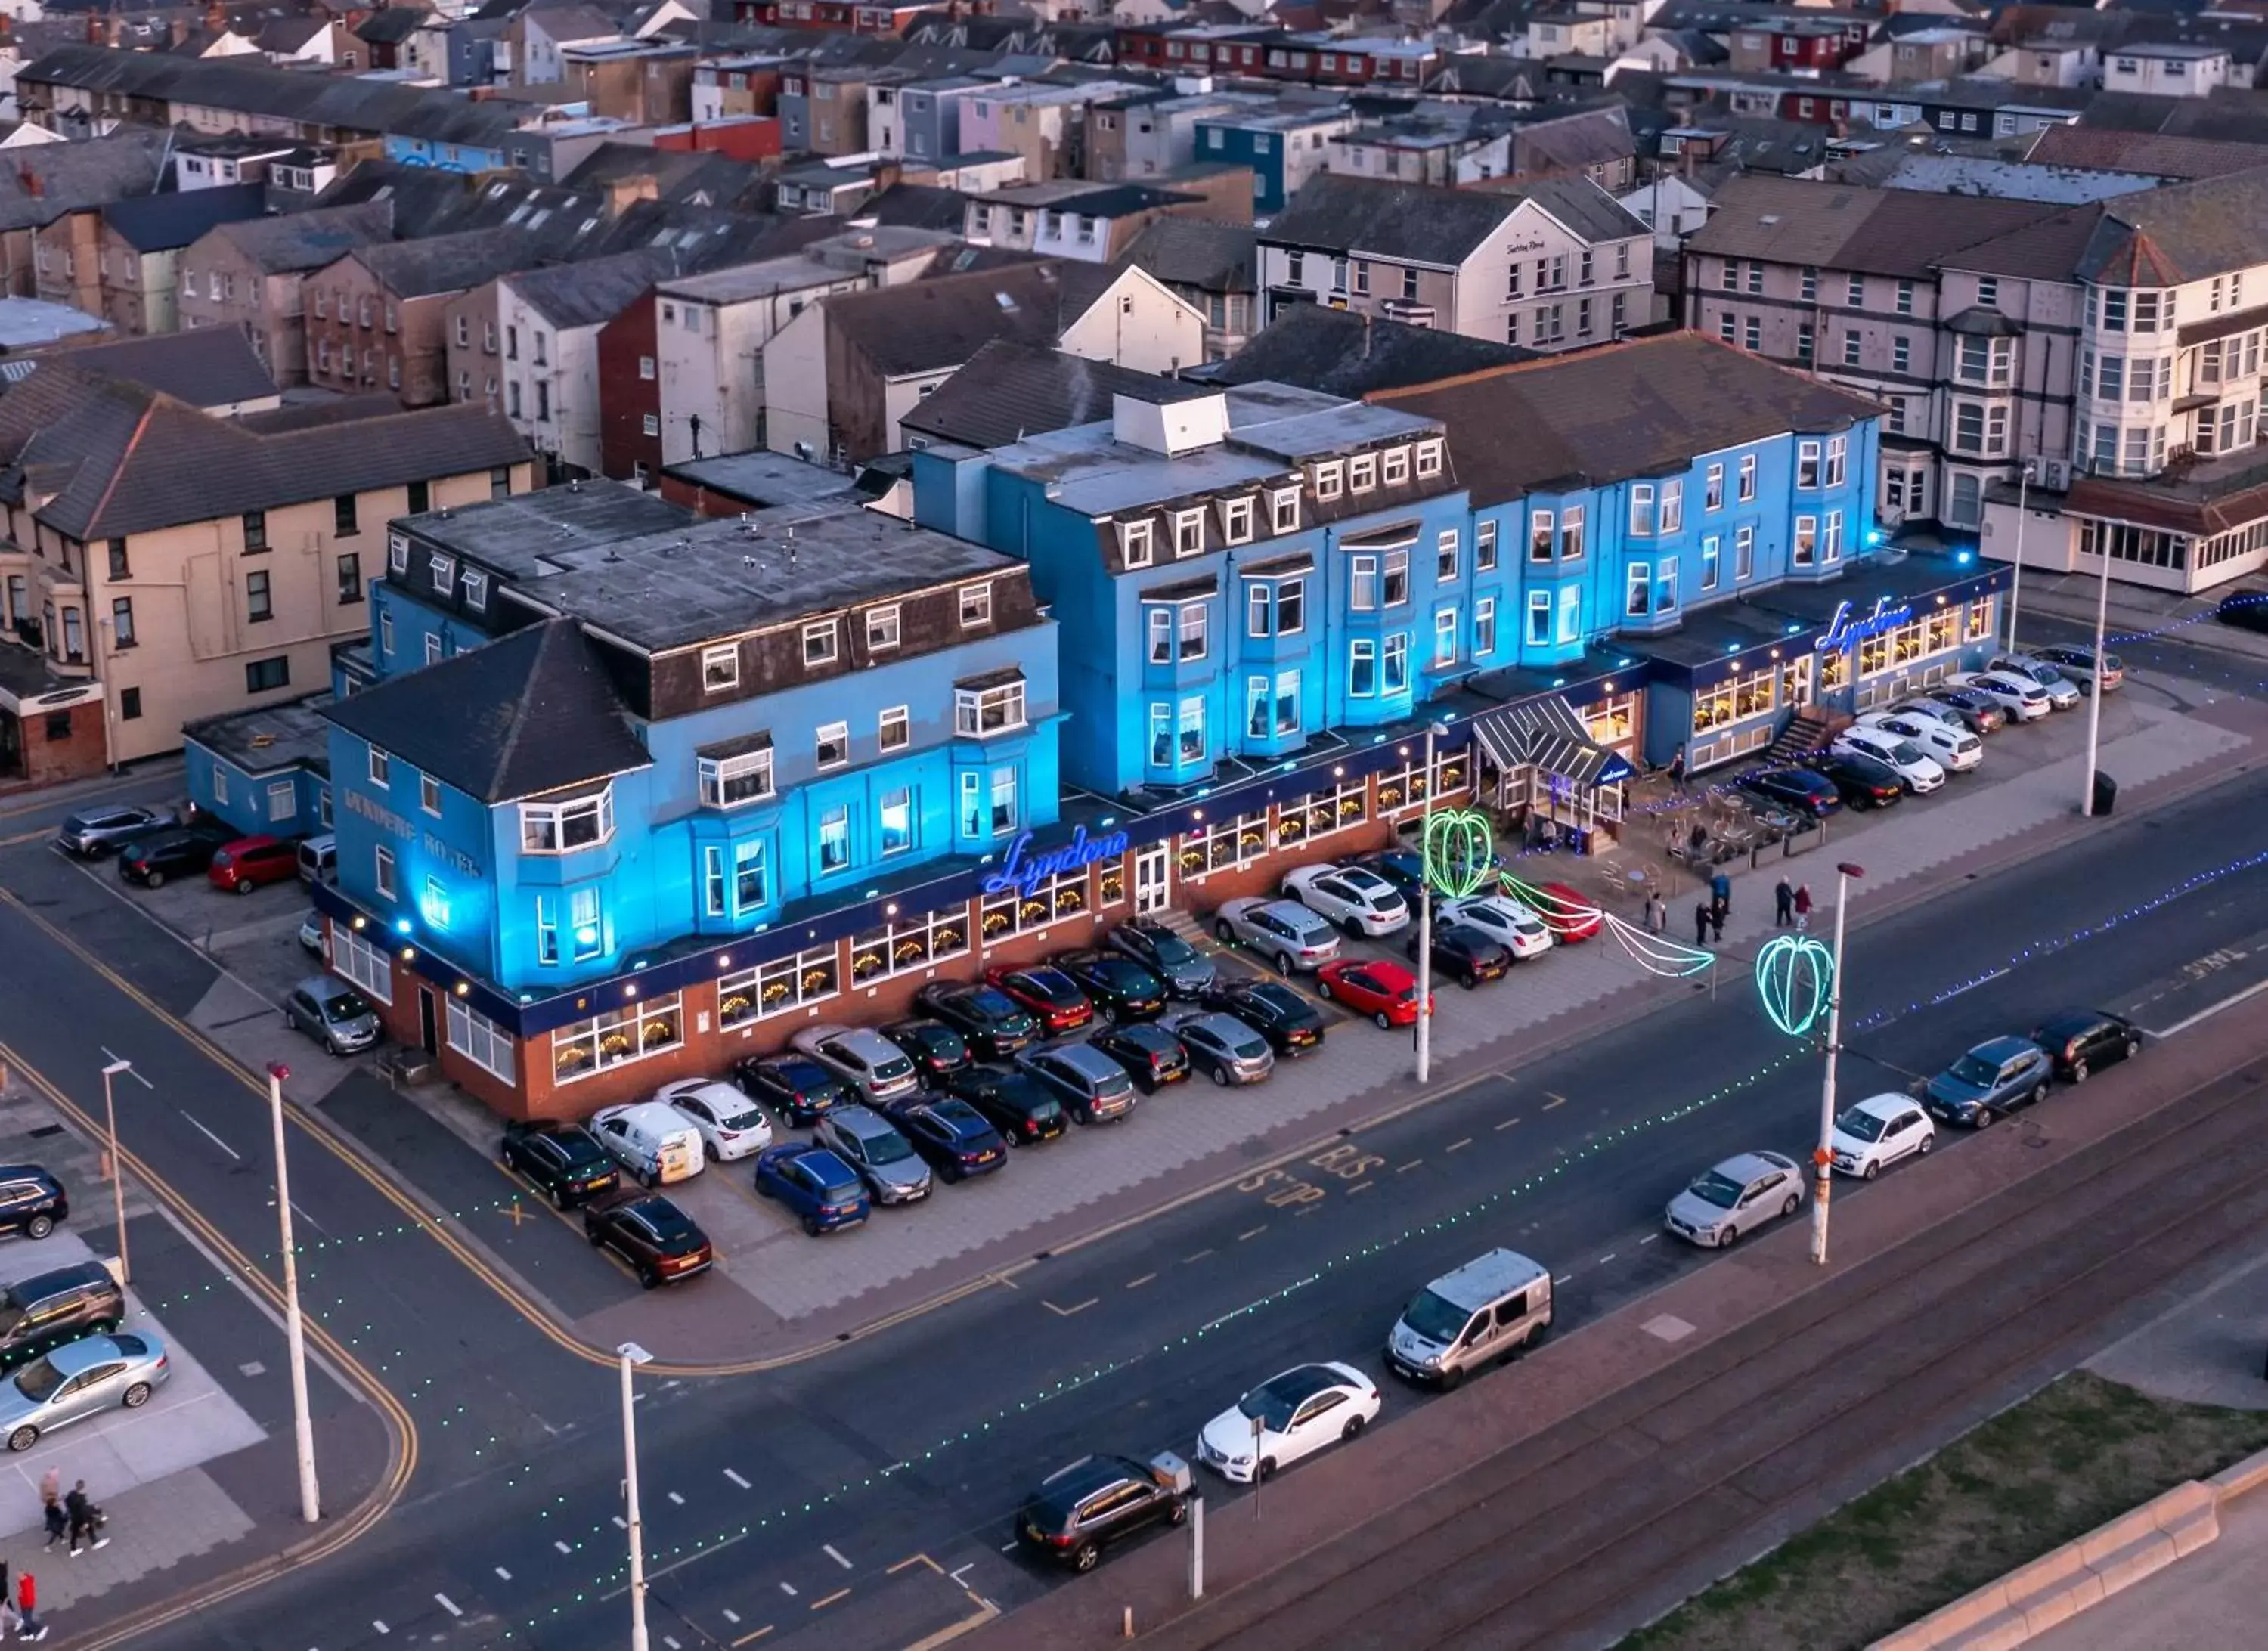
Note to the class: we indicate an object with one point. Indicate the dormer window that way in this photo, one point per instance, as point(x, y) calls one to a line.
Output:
point(397, 552)
point(1330, 479)
point(975, 606)
point(819, 643)
point(882, 629)
point(1429, 460)
point(1134, 547)
point(443, 569)
point(477, 590)
point(1283, 510)
point(1189, 532)
point(1396, 468)
point(1236, 520)
point(720, 669)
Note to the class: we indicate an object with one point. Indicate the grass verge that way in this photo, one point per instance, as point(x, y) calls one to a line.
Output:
point(2072, 1456)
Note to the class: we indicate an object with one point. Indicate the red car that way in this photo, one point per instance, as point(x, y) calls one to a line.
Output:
point(1574, 917)
point(243, 866)
point(1053, 997)
point(1385, 991)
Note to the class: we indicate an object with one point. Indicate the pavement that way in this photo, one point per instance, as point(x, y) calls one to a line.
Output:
point(2210, 1350)
point(2209, 1598)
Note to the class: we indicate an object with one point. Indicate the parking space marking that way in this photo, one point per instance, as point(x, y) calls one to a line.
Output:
point(821, 1604)
point(750, 1639)
point(829, 1549)
point(1200, 1255)
point(912, 1560)
point(1135, 1284)
point(1066, 1312)
point(448, 1604)
point(738, 1480)
point(1458, 1146)
point(1506, 1125)
point(1556, 1101)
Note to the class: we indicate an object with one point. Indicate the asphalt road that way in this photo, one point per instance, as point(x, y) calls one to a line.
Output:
point(863, 1499)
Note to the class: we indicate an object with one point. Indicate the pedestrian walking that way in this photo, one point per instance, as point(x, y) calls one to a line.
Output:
point(1717, 924)
point(28, 1626)
point(86, 1521)
point(1721, 897)
point(57, 1524)
point(1657, 914)
point(1700, 923)
point(1677, 769)
point(1803, 908)
point(1784, 904)
point(51, 1485)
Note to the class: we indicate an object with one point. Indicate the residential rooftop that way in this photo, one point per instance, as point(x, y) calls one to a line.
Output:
point(294, 734)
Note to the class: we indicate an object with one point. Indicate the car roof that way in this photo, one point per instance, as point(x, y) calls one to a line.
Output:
point(1303, 1382)
point(84, 1354)
point(2075, 1020)
point(321, 986)
point(1076, 1481)
point(2004, 1049)
point(1887, 1105)
point(259, 840)
point(1487, 1279)
point(1747, 1167)
point(1082, 1058)
point(794, 1063)
point(658, 1115)
point(864, 1121)
point(1139, 1032)
point(1292, 912)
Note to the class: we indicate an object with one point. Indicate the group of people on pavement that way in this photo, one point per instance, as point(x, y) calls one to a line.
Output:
point(69, 1516)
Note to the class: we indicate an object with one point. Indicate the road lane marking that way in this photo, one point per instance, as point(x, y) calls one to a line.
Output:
point(957, 1575)
point(678, 1499)
point(1066, 1312)
point(1609, 1257)
point(821, 1604)
point(827, 1548)
point(132, 1070)
point(1981, 980)
point(1200, 1255)
point(1458, 1146)
point(214, 1138)
point(1135, 1284)
point(562, 1546)
point(732, 1616)
point(621, 1523)
point(986, 1610)
point(2207, 1014)
point(1649, 1238)
point(750, 1639)
point(1402, 1169)
point(1563, 1278)
point(448, 1604)
point(788, 1588)
point(738, 1480)
point(501, 1572)
point(1255, 1233)
point(1506, 1125)
point(1360, 1186)
point(1556, 1102)
point(380, 1627)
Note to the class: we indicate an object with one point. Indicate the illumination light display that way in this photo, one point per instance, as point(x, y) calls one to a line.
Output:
point(1576, 919)
point(1794, 975)
point(1460, 846)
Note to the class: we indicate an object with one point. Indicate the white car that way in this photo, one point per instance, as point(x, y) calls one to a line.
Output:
point(1952, 747)
point(1359, 901)
point(863, 1059)
point(1288, 1417)
point(2022, 698)
point(731, 1124)
point(1502, 920)
point(1875, 1134)
point(2062, 692)
point(1920, 770)
point(1283, 931)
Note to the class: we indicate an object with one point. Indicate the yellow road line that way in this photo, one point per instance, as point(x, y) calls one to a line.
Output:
point(821, 1604)
point(750, 1639)
point(986, 1610)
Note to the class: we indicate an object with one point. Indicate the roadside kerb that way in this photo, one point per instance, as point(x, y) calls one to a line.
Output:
point(1570, 1376)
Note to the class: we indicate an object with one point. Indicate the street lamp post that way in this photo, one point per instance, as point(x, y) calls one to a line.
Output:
point(632, 1356)
point(117, 1164)
point(1824, 1158)
point(1426, 915)
point(294, 1332)
point(2016, 574)
point(2095, 691)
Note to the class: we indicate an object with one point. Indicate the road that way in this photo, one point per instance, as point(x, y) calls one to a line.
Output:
point(781, 1501)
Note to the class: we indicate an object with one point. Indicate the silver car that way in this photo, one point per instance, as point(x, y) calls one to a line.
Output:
point(1223, 1048)
point(872, 1145)
point(332, 1013)
point(863, 1059)
point(1737, 1196)
point(1093, 1087)
point(92, 833)
point(1283, 931)
point(101, 1373)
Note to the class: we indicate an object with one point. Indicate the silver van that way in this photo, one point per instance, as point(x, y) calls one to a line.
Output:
point(1488, 1309)
point(319, 860)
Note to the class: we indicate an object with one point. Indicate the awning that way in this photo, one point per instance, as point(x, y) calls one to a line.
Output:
point(1547, 733)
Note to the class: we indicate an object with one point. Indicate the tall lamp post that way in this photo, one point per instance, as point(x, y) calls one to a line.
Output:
point(1425, 913)
point(2024, 473)
point(2094, 690)
point(632, 1356)
point(1824, 1158)
point(294, 1332)
point(117, 1164)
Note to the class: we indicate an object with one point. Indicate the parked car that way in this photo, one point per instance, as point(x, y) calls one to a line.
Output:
point(1225, 1049)
point(1992, 1078)
point(319, 860)
point(819, 1189)
point(1094, 1504)
point(2062, 692)
point(1119, 988)
point(1489, 1308)
point(332, 1013)
point(796, 1086)
point(1186, 970)
point(311, 934)
point(1860, 781)
point(1286, 1418)
point(32, 1201)
point(1466, 954)
point(254, 862)
point(1279, 1014)
point(1737, 1196)
point(563, 1161)
point(79, 1380)
point(149, 860)
point(874, 1146)
point(1935, 710)
point(2246, 609)
point(872, 1064)
point(1022, 1108)
point(1980, 712)
point(655, 1239)
point(1951, 746)
point(1876, 1132)
point(1283, 931)
point(2023, 699)
point(2080, 1042)
point(1500, 917)
point(1093, 1088)
point(1575, 918)
point(1796, 789)
point(650, 1140)
point(1406, 869)
point(1921, 772)
point(731, 1124)
point(994, 1024)
point(936, 1050)
point(1045, 993)
point(2079, 665)
point(49, 1309)
point(1384, 990)
point(1153, 1056)
point(92, 833)
point(1356, 898)
point(951, 1134)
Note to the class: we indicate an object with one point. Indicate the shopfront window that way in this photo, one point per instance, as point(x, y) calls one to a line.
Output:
point(1063, 895)
point(1834, 670)
point(1222, 844)
point(617, 1037)
point(776, 987)
point(905, 943)
point(1873, 656)
point(1405, 787)
point(1944, 631)
point(1321, 813)
point(1612, 721)
point(1735, 699)
point(1980, 619)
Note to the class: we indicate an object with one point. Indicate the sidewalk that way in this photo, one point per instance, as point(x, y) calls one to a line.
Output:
point(2212, 1598)
point(2134, 612)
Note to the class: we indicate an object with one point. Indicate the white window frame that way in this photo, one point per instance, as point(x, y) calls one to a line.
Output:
point(1394, 467)
point(1362, 473)
point(1283, 510)
point(381, 769)
point(1137, 543)
point(1237, 518)
point(429, 793)
point(883, 629)
point(822, 641)
point(725, 780)
point(975, 606)
point(978, 713)
point(830, 733)
point(480, 1040)
point(895, 729)
point(555, 821)
point(1429, 460)
point(362, 964)
point(1188, 533)
point(1330, 477)
point(381, 872)
point(720, 668)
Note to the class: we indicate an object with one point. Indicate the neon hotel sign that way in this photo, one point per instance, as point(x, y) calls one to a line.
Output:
point(1024, 873)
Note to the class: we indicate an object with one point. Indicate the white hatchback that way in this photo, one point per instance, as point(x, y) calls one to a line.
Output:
point(1360, 901)
point(1502, 920)
point(1871, 1136)
point(1952, 747)
point(731, 1124)
point(2020, 696)
point(1914, 765)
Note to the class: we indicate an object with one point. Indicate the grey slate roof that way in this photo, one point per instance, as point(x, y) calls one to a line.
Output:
point(448, 263)
point(168, 223)
point(45, 181)
point(299, 241)
point(206, 367)
point(1009, 391)
point(1406, 221)
point(1336, 351)
point(2183, 234)
point(530, 712)
point(591, 291)
point(392, 25)
point(1838, 226)
point(1638, 408)
point(926, 325)
point(1189, 252)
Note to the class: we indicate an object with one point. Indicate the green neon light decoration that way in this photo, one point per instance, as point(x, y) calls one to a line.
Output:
point(1460, 849)
point(1795, 974)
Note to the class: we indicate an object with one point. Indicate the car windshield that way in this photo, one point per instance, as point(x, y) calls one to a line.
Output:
point(1860, 1125)
point(991, 1005)
point(1169, 948)
point(1717, 1187)
point(38, 1382)
point(1271, 1408)
point(1970, 1069)
point(347, 1006)
point(1905, 751)
point(1435, 1318)
point(892, 1148)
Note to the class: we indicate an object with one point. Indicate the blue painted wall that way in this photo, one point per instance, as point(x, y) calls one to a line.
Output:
point(247, 800)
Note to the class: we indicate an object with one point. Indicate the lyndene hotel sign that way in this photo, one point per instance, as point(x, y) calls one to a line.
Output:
point(1024, 872)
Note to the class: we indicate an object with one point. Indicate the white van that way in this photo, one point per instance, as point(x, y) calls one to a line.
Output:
point(319, 860)
point(650, 1140)
point(1488, 1309)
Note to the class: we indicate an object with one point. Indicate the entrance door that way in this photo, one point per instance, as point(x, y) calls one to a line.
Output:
point(1152, 878)
point(428, 1028)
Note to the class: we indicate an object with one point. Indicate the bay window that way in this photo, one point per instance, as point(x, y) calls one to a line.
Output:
point(979, 711)
point(729, 781)
point(571, 824)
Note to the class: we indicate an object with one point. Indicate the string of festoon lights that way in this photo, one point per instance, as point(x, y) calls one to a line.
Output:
point(1576, 919)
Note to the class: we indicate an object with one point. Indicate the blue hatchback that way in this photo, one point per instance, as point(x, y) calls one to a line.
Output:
point(816, 1183)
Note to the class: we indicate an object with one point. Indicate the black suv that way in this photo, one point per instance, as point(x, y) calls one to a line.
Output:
point(32, 1201)
point(50, 1309)
point(1286, 1020)
point(2080, 1040)
point(992, 1022)
point(1861, 781)
point(1020, 1106)
point(180, 852)
point(563, 1161)
point(1080, 1510)
point(936, 1050)
point(1796, 788)
point(1466, 954)
point(795, 1086)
